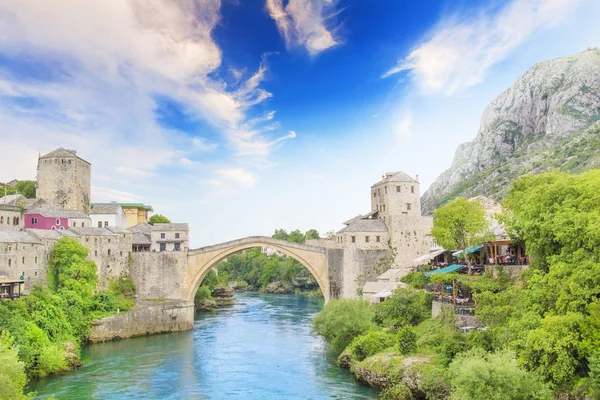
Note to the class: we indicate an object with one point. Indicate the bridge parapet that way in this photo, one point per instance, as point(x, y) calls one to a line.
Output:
point(258, 239)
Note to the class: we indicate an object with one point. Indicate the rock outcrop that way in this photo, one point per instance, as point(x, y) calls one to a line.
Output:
point(547, 119)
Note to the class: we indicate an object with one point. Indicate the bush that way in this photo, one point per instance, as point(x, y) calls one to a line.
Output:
point(397, 392)
point(104, 302)
point(433, 382)
point(51, 361)
point(477, 375)
point(452, 344)
point(122, 287)
point(343, 320)
point(404, 307)
point(203, 293)
point(12, 371)
point(367, 345)
point(416, 280)
point(407, 340)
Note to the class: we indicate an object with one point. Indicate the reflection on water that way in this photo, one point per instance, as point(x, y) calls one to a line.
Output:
point(260, 348)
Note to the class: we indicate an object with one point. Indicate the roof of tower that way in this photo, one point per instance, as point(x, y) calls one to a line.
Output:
point(396, 177)
point(62, 152)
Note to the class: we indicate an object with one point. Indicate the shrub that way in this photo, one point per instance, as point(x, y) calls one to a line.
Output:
point(369, 344)
point(122, 287)
point(343, 320)
point(203, 293)
point(451, 345)
point(477, 375)
point(397, 392)
point(433, 382)
point(12, 371)
point(104, 302)
point(416, 280)
point(51, 361)
point(404, 307)
point(407, 340)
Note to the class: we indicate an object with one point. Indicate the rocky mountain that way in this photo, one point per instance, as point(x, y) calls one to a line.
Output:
point(549, 118)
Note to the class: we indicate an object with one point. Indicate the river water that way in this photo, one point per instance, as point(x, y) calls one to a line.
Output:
point(261, 348)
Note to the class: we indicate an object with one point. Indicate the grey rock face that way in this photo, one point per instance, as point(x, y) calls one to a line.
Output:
point(550, 102)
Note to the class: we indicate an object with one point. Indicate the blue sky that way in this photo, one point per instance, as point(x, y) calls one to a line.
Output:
point(241, 117)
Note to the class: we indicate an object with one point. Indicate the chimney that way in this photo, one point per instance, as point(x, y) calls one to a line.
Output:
point(417, 178)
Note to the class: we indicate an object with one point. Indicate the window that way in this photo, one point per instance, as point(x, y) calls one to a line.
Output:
point(95, 240)
point(57, 221)
point(23, 260)
point(162, 235)
point(108, 240)
point(1, 220)
point(105, 223)
point(33, 220)
point(385, 189)
point(99, 224)
point(62, 228)
point(35, 260)
point(82, 225)
point(374, 194)
point(378, 192)
point(366, 239)
point(163, 247)
point(177, 235)
point(74, 224)
point(121, 253)
point(378, 239)
point(384, 207)
point(53, 228)
point(353, 239)
point(412, 189)
point(397, 189)
point(109, 252)
point(9, 262)
point(95, 253)
point(176, 246)
point(408, 206)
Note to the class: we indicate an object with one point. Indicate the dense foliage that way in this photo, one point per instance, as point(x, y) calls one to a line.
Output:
point(12, 371)
point(459, 224)
point(26, 188)
point(48, 326)
point(158, 219)
point(542, 329)
point(257, 269)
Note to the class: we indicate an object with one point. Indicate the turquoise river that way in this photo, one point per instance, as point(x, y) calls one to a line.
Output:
point(261, 348)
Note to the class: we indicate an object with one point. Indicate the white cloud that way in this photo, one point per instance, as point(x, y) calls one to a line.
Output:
point(107, 194)
point(459, 52)
point(237, 176)
point(404, 129)
point(302, 23)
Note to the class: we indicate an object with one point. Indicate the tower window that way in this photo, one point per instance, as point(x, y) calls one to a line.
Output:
point(378, 239)
point(366, 239)
point(397, 189)
point(385, 187)
point(353, 239)
point(408, 206)
point(374, 195)
point(412, 189)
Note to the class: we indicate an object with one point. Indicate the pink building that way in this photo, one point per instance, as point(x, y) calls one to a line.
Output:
point(51, 218)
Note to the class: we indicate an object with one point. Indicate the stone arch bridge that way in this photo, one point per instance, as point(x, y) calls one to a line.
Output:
point(202, 260)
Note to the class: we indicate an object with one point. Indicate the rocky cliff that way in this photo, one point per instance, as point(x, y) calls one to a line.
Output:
point(548, 119)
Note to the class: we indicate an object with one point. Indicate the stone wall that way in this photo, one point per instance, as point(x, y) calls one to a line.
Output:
point(8, 215)
point(159, 275)
point(335, 266)
point(146, 318)
point(359, 265)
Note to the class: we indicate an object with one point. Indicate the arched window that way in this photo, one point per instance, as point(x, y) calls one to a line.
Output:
point(62, 228)
point(35, 260)
point(57, 221)
point(83, 225)
point(17, 221)
point(53, 228)
point(9, 262)
point(1, 220)
point(109, 252)
point(95, 253)
point(23, 260)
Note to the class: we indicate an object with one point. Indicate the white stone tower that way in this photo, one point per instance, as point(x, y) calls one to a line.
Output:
point(396, 199)
point(63, 179)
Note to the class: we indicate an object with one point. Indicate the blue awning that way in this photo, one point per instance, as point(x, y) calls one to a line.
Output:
point(445, 270)
point(468, 250)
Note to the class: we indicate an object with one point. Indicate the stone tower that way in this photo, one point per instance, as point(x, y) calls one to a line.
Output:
point(63, 179)
point(396, 199)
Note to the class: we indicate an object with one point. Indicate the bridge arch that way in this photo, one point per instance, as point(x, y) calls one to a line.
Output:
point(202, 260)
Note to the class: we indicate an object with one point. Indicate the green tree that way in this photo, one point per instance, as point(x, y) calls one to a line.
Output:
point(281, 234)
point(477, 375)
point(343, 320)
point(296, 236)
point(459, 224)
point(25, 188)
point(12, 371)
point(404, 307)
point(312, 234)
point(158, 219)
